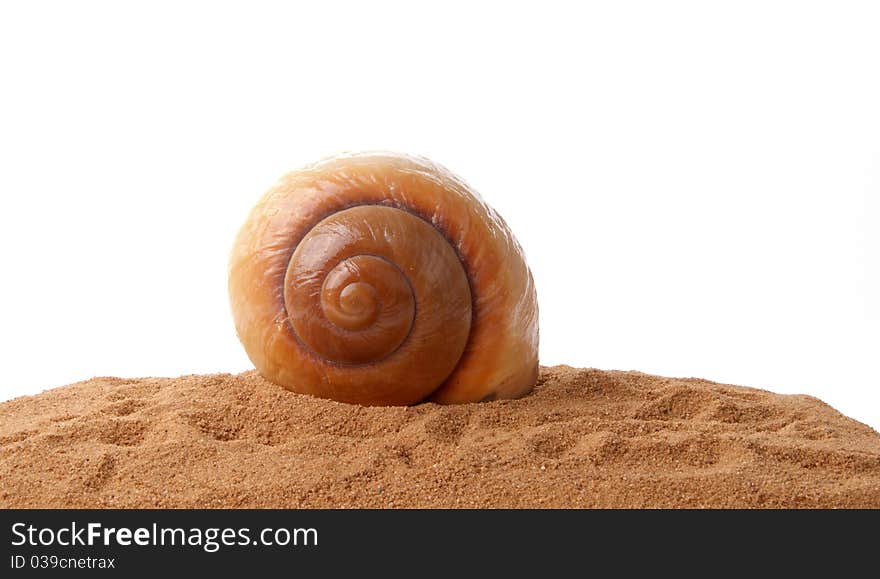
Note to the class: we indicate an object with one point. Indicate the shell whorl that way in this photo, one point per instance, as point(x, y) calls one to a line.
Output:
point(356, 279)
point(382, 279)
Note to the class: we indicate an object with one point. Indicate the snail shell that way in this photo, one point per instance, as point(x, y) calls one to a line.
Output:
point(382, 279)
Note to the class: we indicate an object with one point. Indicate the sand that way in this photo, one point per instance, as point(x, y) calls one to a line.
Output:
point(584, 438)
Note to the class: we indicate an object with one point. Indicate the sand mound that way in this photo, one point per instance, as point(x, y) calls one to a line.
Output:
point(584, 438)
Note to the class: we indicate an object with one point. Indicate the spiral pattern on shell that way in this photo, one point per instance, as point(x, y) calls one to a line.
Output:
point(383, 279)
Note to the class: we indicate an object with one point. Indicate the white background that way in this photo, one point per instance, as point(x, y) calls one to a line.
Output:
point(695, 184)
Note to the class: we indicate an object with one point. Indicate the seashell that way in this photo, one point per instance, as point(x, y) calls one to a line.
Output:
point(383, 279)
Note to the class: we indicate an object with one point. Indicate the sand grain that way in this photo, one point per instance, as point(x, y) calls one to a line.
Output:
point(584, 438)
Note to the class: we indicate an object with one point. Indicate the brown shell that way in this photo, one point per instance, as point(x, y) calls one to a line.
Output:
point(383, 279)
